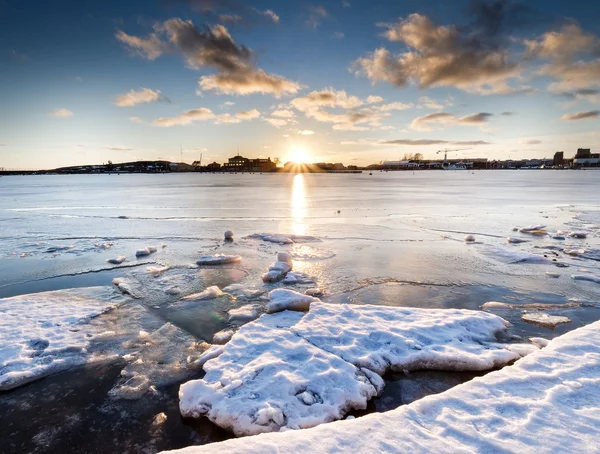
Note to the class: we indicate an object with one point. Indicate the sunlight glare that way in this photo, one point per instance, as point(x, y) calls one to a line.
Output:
point(299, 155)
point(298, 205)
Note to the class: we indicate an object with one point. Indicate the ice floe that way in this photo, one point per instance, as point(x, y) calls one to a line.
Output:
point(535, 229)
point(515, 256)
point(42, 333)
point(544, 320)
point(222, 337)
point(545, 403)
point(277, 271)
point(469, 238)
point(117, 260)
point(267, 378)
point(282, 299)
point(580, 235)
point(244, 314)
point(289, 370)
point(586, 277)
point(209, 293)
point(145, 251)
point(283, 239)
point(228, 235)
point(218, 259)
point(514, 240)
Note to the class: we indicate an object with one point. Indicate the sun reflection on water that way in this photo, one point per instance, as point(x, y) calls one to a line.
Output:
point(298, 205)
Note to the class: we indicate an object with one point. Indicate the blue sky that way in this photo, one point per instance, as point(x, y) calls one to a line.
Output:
point(347, 81)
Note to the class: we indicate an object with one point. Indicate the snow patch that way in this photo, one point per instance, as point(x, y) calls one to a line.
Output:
point(544, 320)
point(117, 260)
point(284, 299)
point(586, 277)
point(43, 333)
point(244, 314)
point(209, 293)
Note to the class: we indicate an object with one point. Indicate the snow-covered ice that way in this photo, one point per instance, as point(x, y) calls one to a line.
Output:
point(516, 256)
point(545, 403)
point(209, 293)
point(586, 277)
point(117, 260)
point(283, 239)
point(277, 271)
point(222, 337)
point(228, 235)
point(395, 338)
point(145, 251)
point(534, 228)
point(42, 333)
point(244, 314)
point(218, 259)
point(514, 240)
point(580, 235)
point(289, 370)
point(283, 299)
point(469, 238)
point(268, 378)
point(544, 320)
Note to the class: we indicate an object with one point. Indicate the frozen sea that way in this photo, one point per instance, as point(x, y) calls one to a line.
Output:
point(86, 368)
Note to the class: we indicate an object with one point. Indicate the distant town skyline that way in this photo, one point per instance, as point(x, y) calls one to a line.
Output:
point(332, 81)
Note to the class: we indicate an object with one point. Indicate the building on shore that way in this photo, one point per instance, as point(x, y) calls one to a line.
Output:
point(241, 164)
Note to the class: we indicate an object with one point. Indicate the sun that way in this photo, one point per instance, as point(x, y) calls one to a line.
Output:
point(299, 155)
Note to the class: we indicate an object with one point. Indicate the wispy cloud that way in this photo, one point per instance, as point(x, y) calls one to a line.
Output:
point(141, 96)
point(61, 113)
point(269, 14)
point(317, 13)
point(338, 35)
point(423, 142)
point(306, 132)
point(589, 115)
point(119, 148)
point(430, 121)
point(205, 114)
point(530, 141)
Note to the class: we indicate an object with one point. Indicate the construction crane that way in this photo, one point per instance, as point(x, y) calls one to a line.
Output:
point(446, 150)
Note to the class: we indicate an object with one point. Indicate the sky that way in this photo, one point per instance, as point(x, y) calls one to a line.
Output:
point(346, 81)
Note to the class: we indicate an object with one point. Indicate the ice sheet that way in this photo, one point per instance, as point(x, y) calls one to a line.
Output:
point(268, 378)
point(42, 333)
point(545, 403)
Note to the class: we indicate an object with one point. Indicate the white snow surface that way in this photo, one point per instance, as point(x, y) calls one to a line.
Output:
point(382, 338)
point(43, 333)
point(218, 259)
point(516, 256)
point(289, 370)
point(209, 293)
point(282, 299)
point(586, 277)
point(244, 314)
point(545, 403)
point(268, 378)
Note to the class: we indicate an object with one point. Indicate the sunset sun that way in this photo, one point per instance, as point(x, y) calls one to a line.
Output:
point(299, 155)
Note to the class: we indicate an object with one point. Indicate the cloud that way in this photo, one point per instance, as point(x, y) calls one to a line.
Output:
point(210, 47)
point(283, 113)
point(269, 14)
point(345, 3)
point(306, 132)
point(564, 50)
point(508, 114)
point(230, 18)
point(530, 142)
point(318, 105)
point(200, 149)
point(374, 99)
point(338, 35)
point(136, 120)
point(427, 122)
point(277, 122)
point(316, 14)
point(424, 142)
point(205, 114)
point(119, 148)
point(248, 115)
point(471, 58)
point(61, 113)
point(430, 103)
point(201, 114)
point(581, 115)
point(141, 96)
